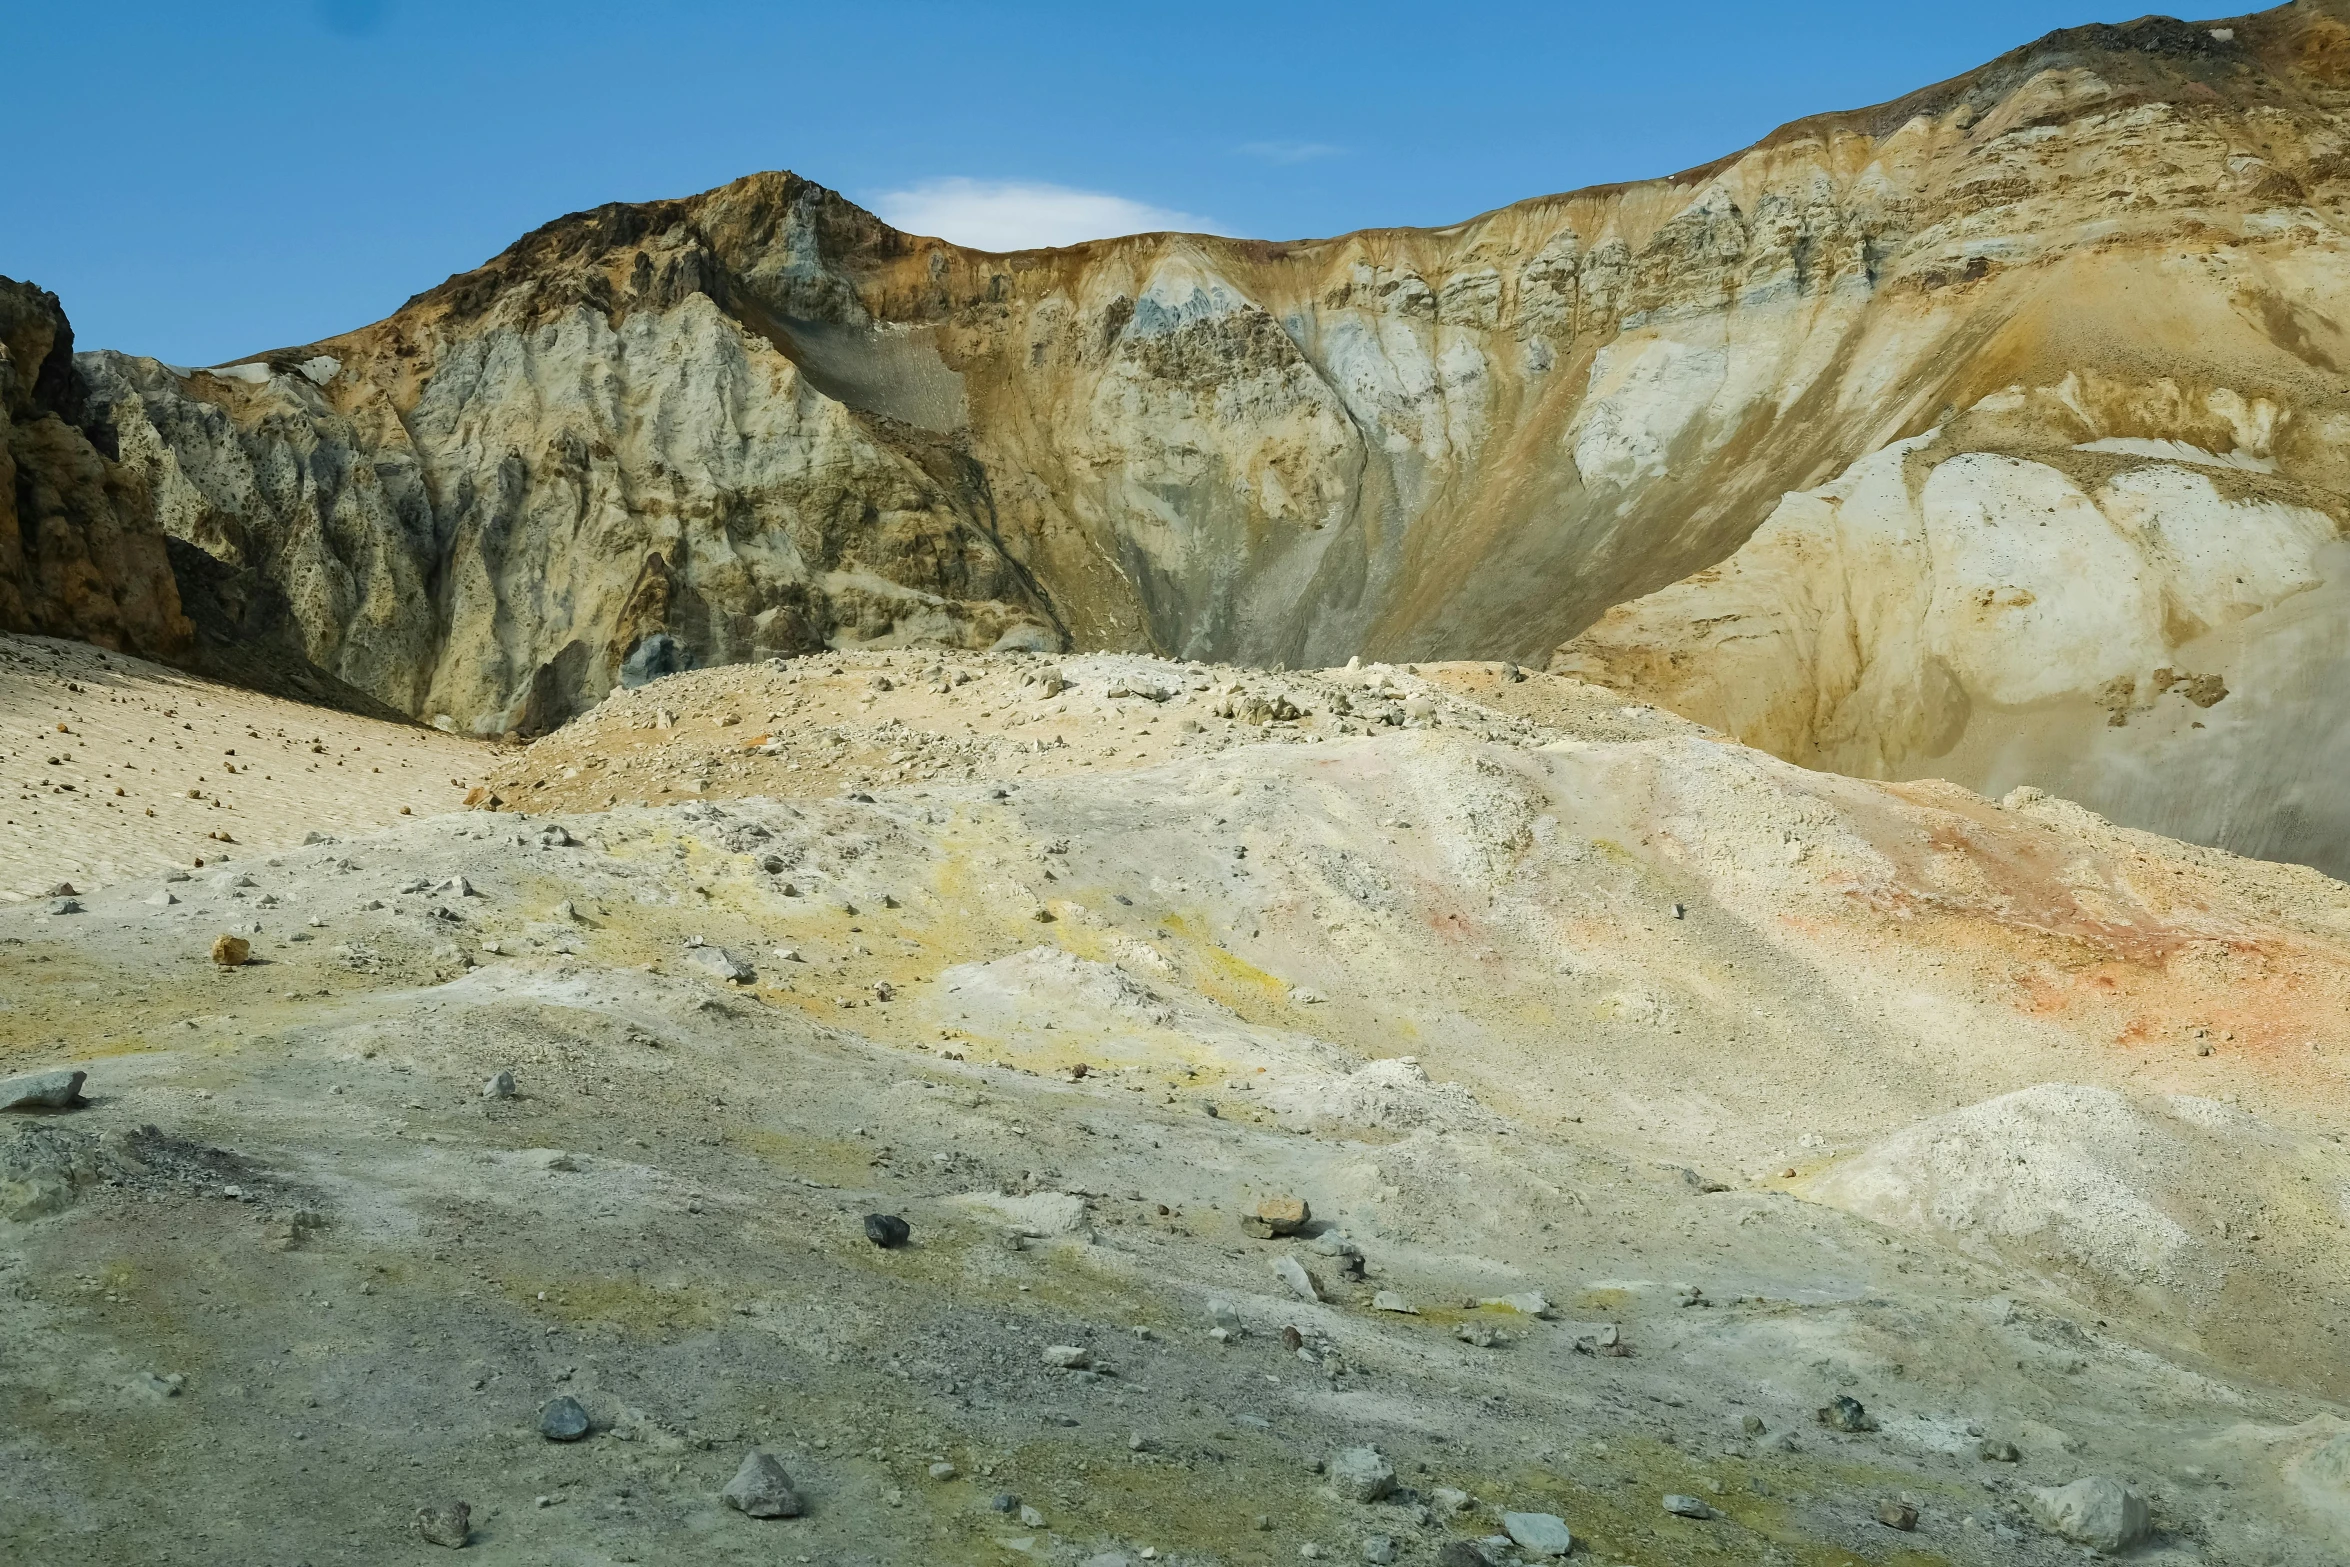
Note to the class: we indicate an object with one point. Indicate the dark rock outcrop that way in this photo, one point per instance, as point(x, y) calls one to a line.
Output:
point(80, 554)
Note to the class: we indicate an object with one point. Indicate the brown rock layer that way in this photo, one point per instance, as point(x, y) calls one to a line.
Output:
point(80, 555)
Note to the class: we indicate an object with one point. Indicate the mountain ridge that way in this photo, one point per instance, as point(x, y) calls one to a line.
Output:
point(759, 421)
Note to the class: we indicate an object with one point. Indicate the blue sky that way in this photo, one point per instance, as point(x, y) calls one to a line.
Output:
point(204, 180)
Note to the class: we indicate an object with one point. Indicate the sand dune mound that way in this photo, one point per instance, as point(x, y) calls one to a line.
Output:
point(114, 767)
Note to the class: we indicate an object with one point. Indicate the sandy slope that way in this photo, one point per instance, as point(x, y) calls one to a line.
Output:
point(1986, 1113)
point(116, 767)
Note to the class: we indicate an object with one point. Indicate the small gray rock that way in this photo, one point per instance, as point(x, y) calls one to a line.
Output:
point(1360, 1474)
point(500, 1086)
point(760, 1488)
point(1539, 1534)
point(724, 964)
point(887, 1230)
point(445, 1523)
point(1067, 1357)
point(65, 905)
point(2101, 1513)
point(562, 1419)
point(60, 1090)
point(1379, 1549)
point(1687, 1507)
point(1004, 1502)
point(1293, 1273)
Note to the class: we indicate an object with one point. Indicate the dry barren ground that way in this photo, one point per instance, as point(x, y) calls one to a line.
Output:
point(111, 766)
point(2016, 1128)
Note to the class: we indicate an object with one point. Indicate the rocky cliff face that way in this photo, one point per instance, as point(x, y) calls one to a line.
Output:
point(2102, 556)
point(79, 552)
point(760, 421)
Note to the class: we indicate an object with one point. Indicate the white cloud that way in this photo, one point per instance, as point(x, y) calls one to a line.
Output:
point(1289, 151)
point(1024, 214)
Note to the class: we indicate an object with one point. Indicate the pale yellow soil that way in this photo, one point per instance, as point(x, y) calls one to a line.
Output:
point(868, 720)
point(2006, 1122)
point(113, 767)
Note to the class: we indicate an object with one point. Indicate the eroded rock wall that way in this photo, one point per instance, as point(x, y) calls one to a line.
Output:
point(759, 420)
point(80, 555)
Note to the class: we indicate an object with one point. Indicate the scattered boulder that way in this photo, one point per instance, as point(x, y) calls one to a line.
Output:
point(1360, 1474)
point(887, 1230)
point(59, 1090)
point(231, 951)
point(1997, 1452)
point(1897, 1515)
point(1845, 1413)
point(1539, 1534)
point(1686, 1506)
point(161, 1385)
point(563, 1419)
point(1067, 1357)
point(761, 1489)
point(2096, 1511)
point(724, 964)
point(1349, 1255)
point(445, 1523)
point(1390, 1300)
point(500, 1086)
point(65, 905)
point(32, 1195)
point(1293, 1273)
point(1599, 1338)
point(1038, 1215)
point(1379, 1549)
